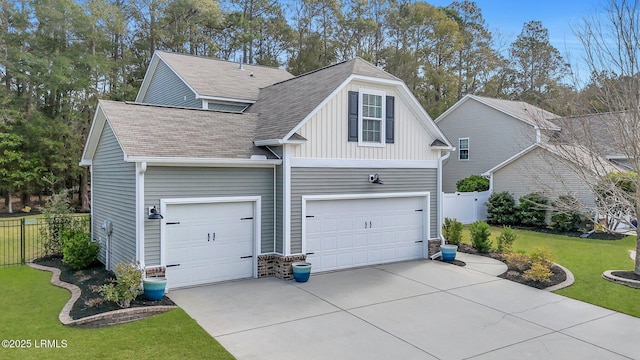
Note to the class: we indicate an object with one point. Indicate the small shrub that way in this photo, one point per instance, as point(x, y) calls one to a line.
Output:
point(539, 273)
point(78, 251)
point(564, 216)
point(126, 287)
point(57, 216)
point(532, 209)
point(517, 261)
point(472, 183)
point(452, 231)
point(506, 239)
point(542, 256)
point(501, 209)
point(480, 233)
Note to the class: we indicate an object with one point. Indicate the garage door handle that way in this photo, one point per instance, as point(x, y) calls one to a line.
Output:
point(312, 253)
point(173, 265)
point(246, 257)
point(209, 237)
point(419, 241)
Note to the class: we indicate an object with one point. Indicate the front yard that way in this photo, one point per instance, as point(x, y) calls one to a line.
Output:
point(29, 317)
point(587, 259)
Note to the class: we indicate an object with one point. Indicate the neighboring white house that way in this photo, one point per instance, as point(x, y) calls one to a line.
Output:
point(252, 169)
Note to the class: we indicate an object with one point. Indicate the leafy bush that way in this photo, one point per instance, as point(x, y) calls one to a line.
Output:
point(538, 272)
point(480, 233)
point(542, 255)
point(78, 251)
point(452, 231)
point(57, 216)
point(501, 209)
point(517, 261)
point(532, 209)
point(506, 239)
point(126, 287)
point(472, 183)
point(565, 216)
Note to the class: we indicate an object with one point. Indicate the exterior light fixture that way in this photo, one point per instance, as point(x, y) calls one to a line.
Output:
point(375, 179)
point(154, 214)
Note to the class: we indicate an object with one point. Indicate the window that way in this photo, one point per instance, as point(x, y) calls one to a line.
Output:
point(371, 118)
point(463, 149)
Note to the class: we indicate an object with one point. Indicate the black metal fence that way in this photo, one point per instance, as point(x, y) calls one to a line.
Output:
point(22, 240)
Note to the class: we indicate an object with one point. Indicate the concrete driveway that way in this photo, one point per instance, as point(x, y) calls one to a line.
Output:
point(409, 310)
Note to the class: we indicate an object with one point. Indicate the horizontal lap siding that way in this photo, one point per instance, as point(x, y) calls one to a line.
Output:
point(279, 223)
point(187, 182)
point(166, 88)
point(324, 181)
point(113, 198)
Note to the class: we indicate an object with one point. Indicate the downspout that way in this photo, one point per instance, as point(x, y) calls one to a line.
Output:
point(275, 198)
point(140, 212)
point(441, 160)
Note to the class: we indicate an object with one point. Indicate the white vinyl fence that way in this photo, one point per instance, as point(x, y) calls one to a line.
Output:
point(466, 207)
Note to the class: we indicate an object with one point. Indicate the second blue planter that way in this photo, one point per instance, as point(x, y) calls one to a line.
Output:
point(301, 271)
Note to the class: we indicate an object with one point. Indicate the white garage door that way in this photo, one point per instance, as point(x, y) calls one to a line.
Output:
point(347, 233)
point(208, 242)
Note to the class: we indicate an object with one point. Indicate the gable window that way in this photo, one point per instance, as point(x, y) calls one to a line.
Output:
point(463, 149)
point(371, 118)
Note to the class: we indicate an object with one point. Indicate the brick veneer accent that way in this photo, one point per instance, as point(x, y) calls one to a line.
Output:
point(433, 246)
point(155, 271)
point(98, 320)
point(278, 265)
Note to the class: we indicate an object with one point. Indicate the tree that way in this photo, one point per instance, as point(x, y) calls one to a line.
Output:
point(611, 47)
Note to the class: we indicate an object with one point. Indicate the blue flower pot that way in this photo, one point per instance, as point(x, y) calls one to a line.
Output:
point(449, 252)
point(153, 288)
point(301, 271)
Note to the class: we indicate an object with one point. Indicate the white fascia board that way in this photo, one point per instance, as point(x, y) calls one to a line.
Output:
point(219, 98)
point(357, 163)
point(278, 142)
point(510, 160)
point(170, 161)
point(146, 80)
point(93, 138)
point(85, 163)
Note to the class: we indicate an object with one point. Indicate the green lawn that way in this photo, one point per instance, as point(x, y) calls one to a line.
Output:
point(587, 260)
point(30, 308)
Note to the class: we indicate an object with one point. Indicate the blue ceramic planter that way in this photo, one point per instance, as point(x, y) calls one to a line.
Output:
point(154, 288)
point(301, 271)
point(449, 252)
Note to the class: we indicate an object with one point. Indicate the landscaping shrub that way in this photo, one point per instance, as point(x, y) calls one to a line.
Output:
point(126, 287)
point(480, 233)
point(542, 255)
point(506, 239)
point(452, 231)
point(78, 251)
point(472, 183)
point(517, 261)
point(564, 217)
point(532, 209)
point(57, 215)
point(538, 272)
point(501, 209)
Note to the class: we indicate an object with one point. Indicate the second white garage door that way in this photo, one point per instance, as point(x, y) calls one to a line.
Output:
point(208, 242)
point(356, 232)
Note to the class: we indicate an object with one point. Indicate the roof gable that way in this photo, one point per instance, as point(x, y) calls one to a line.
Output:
point(518, 110)
point(216, 79)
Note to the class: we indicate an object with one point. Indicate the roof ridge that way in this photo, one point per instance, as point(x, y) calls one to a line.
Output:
point(312, 72)
point(172, 107)
point(220, 60)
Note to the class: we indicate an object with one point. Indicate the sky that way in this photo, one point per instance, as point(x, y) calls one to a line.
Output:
point(507, 18)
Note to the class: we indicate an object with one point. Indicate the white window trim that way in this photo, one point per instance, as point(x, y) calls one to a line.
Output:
point(383, 135)
point(460, 149)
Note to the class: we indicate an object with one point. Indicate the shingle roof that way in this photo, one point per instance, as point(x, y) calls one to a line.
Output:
point(158, 131)
point(602, 131)
point(522, 110)
point(284, 105)
point(218, 78)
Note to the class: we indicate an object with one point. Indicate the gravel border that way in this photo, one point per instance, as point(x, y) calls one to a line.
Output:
point(98, 320)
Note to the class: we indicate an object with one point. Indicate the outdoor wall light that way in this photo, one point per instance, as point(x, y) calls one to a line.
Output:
point(154, 214)
point(375, 179)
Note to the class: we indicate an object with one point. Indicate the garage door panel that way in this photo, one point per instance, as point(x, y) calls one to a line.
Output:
point(358, 232)
point(207, 242)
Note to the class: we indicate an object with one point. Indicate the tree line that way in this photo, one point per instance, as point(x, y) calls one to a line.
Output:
point(57, 57)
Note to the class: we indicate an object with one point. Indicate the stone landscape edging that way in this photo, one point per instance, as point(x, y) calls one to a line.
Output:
point(566, 283)
point(108, 318)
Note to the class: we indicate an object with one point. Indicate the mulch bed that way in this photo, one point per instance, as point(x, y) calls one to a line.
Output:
point(630, 275)
point(594, 235)
point(91, 302)
point(558, 274)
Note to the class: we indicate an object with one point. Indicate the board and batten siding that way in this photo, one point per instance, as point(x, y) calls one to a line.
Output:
point(493, 138)
point(325, 181)
point(327, 132)
point(166, 88)
point(113, 193)
point(190, 182)
point(542, 172)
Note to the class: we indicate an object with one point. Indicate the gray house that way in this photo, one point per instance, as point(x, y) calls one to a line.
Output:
point(488, 132)
point(252, 169)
